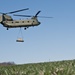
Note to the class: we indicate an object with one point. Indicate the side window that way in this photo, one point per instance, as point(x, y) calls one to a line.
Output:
point(28, 21)
point(17, 22)
point(22, 21)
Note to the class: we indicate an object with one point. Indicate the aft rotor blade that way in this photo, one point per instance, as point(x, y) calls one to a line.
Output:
point(28, 15)
point(37, 13)
point(32, 16)
point(44, 17)
point(16, 11)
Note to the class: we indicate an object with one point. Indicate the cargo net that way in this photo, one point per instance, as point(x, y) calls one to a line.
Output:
point(20, 36)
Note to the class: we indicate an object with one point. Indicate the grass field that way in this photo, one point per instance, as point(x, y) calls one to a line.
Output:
point(66, 67)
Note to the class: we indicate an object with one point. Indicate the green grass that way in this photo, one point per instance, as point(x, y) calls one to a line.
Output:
point(47, 68)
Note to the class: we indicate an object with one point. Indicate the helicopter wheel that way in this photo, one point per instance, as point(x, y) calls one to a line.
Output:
point(25, 28)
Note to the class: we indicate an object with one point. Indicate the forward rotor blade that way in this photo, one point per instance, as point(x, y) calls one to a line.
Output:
point(16, 11)
point(2, 13)
point(23, 15)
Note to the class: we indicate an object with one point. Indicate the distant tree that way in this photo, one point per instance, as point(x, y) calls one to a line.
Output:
point(7, 63)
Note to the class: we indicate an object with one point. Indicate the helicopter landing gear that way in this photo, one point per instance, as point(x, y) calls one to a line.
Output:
point(7, 28)
point(25, 28)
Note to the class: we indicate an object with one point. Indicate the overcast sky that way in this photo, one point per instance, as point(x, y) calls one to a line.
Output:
point(52, 40)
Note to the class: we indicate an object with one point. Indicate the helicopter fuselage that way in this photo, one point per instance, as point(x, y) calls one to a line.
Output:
point(20, 23)
point(8, 22)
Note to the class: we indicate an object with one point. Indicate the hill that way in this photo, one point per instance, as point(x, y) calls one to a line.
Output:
point(66, 67)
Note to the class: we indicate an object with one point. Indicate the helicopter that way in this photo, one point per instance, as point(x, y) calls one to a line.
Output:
point(8, 22)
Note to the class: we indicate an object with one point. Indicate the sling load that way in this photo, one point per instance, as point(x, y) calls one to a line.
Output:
point(19, 40)
point(20, 36)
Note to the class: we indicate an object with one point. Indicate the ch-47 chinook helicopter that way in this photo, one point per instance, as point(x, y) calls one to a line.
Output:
point(8, 22)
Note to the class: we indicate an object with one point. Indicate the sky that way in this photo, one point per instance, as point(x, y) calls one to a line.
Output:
point(52, 40)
